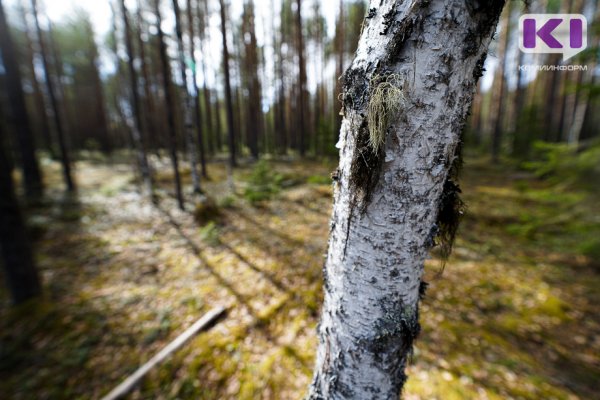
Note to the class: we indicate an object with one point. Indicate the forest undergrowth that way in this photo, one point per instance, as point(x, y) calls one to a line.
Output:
point(515, 313)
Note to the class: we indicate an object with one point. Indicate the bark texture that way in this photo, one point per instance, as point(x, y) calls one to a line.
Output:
point(391, 203)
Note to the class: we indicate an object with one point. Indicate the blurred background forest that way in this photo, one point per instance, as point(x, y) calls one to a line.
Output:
point(161, 158)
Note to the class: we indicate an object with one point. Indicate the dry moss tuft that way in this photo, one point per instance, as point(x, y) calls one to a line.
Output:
point(386, 102)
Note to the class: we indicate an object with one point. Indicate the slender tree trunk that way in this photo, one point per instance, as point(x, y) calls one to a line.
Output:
point(550, 95)
point(251, 80)
point(219, 127)
point(150, 122)
point(60, 133)
point(170, 105)
point(196, 93)
point(501, 102)
point(562, 100)
point(282, 132)
point(32, 177)
point(228, 98)
point(20, 272)
point(188, 103)
point(61, 94)
point(395, 187)
point(204, 35)
point(521, 139)
point(136, 125)
point(44, 124)
point(101, 123)
point(302, 92)
point(476, 112)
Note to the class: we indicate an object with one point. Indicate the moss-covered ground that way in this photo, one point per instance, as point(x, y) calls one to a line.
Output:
point(515, 313)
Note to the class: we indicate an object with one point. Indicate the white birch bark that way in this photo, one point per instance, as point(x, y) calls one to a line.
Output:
point(378, 242)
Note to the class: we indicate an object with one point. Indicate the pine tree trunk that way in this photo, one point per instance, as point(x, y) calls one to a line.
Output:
point(44, 125)
point(228, 98)
point(213, 122)
point(150, 122)
point(170, 106)
point(135, 125)
point(422, 59)
point(501, 101)
point(188, 103)
point(302, 92)
point(196, 92)
point(476, 125)
point(282, 129)
point(521, 139)
point(251, 80)
point(32, 177)
point(17, 258)
point(60, 133)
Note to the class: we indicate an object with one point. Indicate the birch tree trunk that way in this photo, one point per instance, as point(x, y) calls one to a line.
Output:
point(413, 79)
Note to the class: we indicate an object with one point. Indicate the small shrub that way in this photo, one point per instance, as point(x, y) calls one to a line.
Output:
point(227, 202)
point(206, 211)
point(563, 163)
point(263, 183)
point(210, 233)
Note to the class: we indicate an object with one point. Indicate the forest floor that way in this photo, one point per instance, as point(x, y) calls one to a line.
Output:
point(515, 313)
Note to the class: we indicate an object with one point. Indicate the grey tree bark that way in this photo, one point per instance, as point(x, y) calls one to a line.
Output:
point(406, 97)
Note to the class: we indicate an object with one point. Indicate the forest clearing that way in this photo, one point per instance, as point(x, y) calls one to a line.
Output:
point(514, 314)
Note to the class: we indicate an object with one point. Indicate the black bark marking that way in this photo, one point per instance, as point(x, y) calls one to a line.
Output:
point(356, 89)
point(479, 67)
point(451, 209)
point(392, 342)
point(389, 18)
point(365, 168)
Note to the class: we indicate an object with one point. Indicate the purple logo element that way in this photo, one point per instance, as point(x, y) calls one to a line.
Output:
point(553, 33)
point(545, 33)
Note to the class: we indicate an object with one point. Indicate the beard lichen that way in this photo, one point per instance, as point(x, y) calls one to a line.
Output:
point(385, 103)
